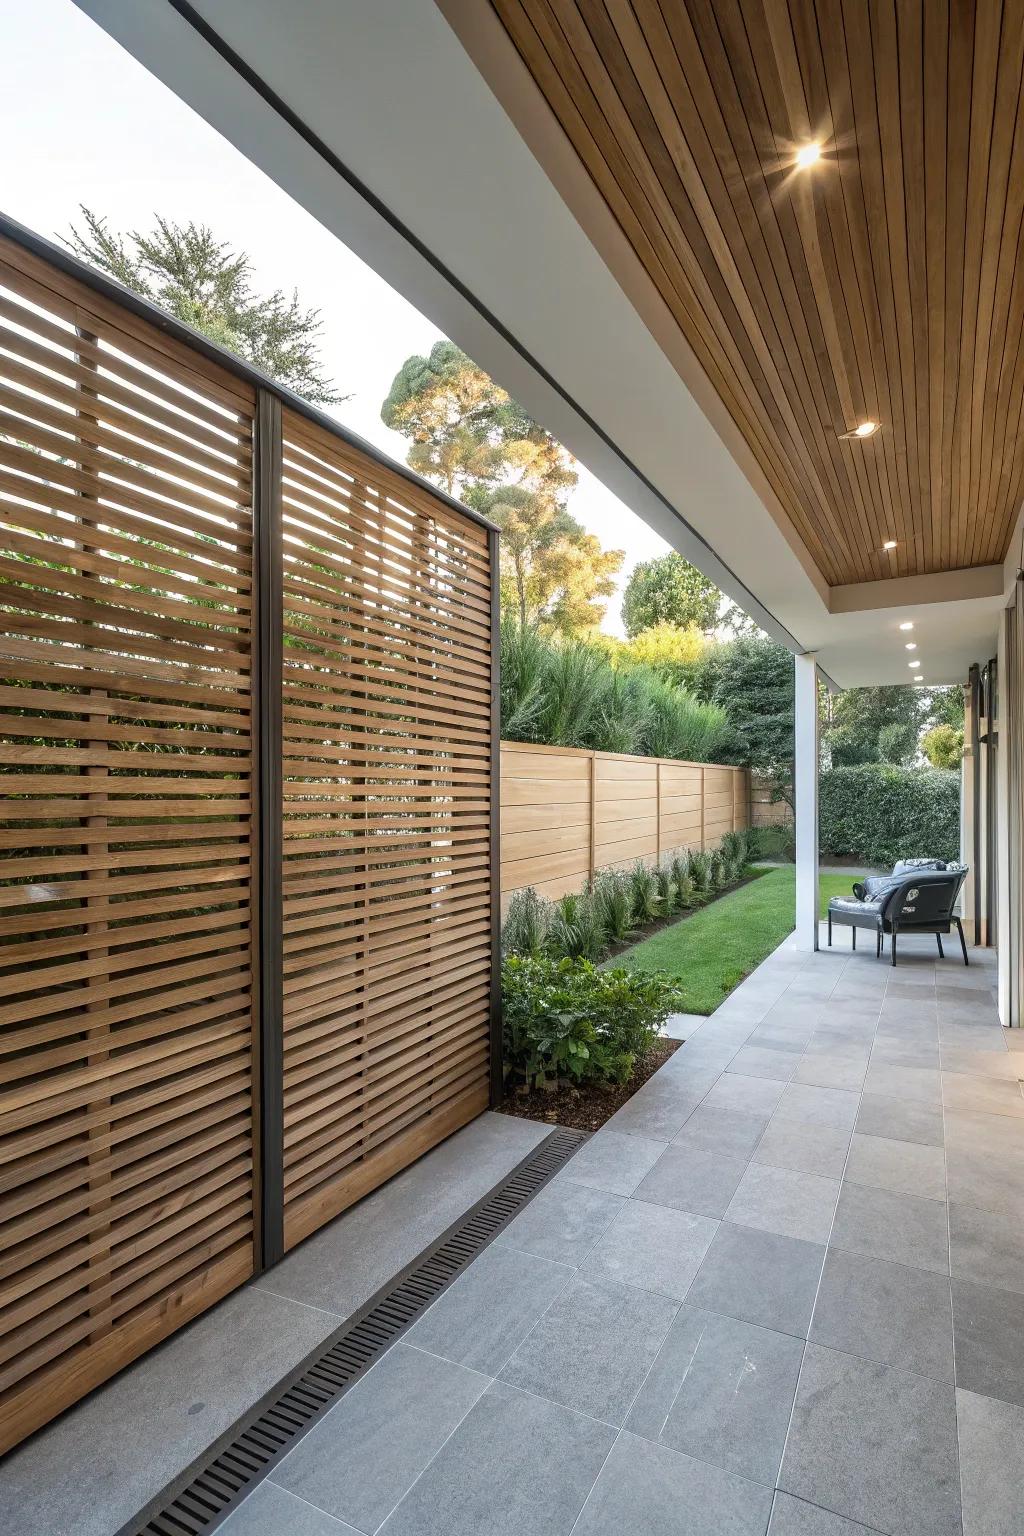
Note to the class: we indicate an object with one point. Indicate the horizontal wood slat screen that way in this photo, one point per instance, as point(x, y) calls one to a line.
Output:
point(387, 823)
point(567, 813)
point(247, 748)
point(126, 1161)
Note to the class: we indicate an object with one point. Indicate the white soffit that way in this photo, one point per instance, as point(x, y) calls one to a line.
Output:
point(489, 251)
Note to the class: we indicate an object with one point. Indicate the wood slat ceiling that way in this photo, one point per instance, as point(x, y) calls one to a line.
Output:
point(885, 283)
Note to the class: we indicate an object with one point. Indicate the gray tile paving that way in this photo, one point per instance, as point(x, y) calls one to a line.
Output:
point(593, 1347)
point(653, 1247)
point(985, 1247)
point(836, 1107)
point(885, 1312)
point(875, 1445)
point(899, 1120)
point(794, 1517)
point(785, 1200)
point(613, 1161)
point(730, 1133)
point(759, 1277)
point(563, 1222)
point(649, 1488)
point(517, 1465)
point(269, 1510)
point(988, 1341)
point(690, 1180)
point(488, 1312)
point(806, 1148)
point(991, 1443)
point(748, 1095)
point(732, 1403)
point(904, 1166)
point(369, 1449)
point(901, 1228)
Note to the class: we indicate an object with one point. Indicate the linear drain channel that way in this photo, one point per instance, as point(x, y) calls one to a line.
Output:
point(205, 1494)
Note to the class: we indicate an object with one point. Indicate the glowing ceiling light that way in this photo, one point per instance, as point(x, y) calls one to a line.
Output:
point(807, 155)
point(889, 544)
point(906, 624)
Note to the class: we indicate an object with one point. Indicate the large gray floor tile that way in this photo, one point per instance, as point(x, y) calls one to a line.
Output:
point(874, 1444)
point(270, 1511)
point(985, 1247)
point(733, 1399)
point(901, 1228)
point(806, 1148)
point(613, 1162)
point(986, 1095)
point(89, 1471)
point(653, 1403)
point(885, 1312)
point(918, 1084)
point(517, 1465)
point(784, 1200)
point(831, 1071)
point(746, 1095)
point(995, 1062)
point(762, 1061)
point(988, 1341)
point(563, 1222)
point(759, 1277)
point(593, 1347)
point(907, 1167)
point(984, 1177)
point(991, 1456)
point(658, 1110)
point(651, 1489)
point(689, 1180)
point(486, 1314)
point(899, 1120)
point(794, 1517)
point(653, 1247)
point(725, 1131)
point(836, 1107)
point(370, 1448)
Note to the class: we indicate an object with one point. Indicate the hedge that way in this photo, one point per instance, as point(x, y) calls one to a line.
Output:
point(880, 813)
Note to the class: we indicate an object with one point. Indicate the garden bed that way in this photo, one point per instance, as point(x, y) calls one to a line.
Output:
point(588, 1107)
point(675, 918)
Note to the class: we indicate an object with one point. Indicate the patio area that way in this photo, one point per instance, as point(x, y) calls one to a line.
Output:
point(780, 1291)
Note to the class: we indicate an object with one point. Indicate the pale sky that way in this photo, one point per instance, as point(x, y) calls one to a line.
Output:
point(83, 122)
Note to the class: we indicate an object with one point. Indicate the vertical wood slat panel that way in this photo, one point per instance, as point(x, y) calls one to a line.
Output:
point(567, 813)
point(387, 726)
point(126, 997)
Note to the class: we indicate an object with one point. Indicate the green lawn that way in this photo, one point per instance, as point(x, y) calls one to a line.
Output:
point(711, 952)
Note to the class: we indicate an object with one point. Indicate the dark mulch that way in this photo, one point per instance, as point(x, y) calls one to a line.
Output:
point(587, 1108)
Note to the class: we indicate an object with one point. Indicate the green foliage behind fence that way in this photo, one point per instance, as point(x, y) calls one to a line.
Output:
point(880, 813)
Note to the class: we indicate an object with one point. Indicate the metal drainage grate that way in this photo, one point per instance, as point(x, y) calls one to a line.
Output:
point(205, 1494)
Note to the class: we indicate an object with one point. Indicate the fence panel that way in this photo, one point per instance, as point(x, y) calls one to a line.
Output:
point(387, 823)
point(126, 1201)
point(566, 813)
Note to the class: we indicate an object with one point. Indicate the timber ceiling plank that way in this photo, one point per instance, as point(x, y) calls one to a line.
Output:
point(886, 283)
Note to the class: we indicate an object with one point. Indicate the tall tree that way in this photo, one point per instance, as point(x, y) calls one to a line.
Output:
point(204, 283)
point(868, 725)
point(669, 590)
point(469, 436)
point(751, 677)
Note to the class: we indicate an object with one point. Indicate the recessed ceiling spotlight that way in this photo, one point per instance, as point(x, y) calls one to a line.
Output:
point(913, 663)
point(911, 645)
point(889, 544)
point(862, 430)
point(906, 624)
point(918, 679)
point(807, 155)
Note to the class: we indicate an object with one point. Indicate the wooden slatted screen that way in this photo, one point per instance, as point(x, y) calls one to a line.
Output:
point(387, 822)
point(126, 1178)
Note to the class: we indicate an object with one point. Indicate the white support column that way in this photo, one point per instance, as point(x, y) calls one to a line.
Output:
point(805, 795)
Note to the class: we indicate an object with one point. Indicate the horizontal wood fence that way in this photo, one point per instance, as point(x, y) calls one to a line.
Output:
point(247, 755)
point(565, 814)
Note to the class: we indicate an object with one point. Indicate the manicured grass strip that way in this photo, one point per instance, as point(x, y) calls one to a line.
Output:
point(711, 952)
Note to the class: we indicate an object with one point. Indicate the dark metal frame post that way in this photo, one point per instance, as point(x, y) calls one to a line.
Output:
point(497, 1047)
point(268, 626)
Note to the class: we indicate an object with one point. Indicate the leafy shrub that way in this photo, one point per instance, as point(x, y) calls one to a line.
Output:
point(881, 813)
point(646, 901)
point(943, 745)
point(526, 925)
point(719, 870)
point(576, 931)
point(566, 1018)
point(613, 896)
point(778, 842)
point(734, 852)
